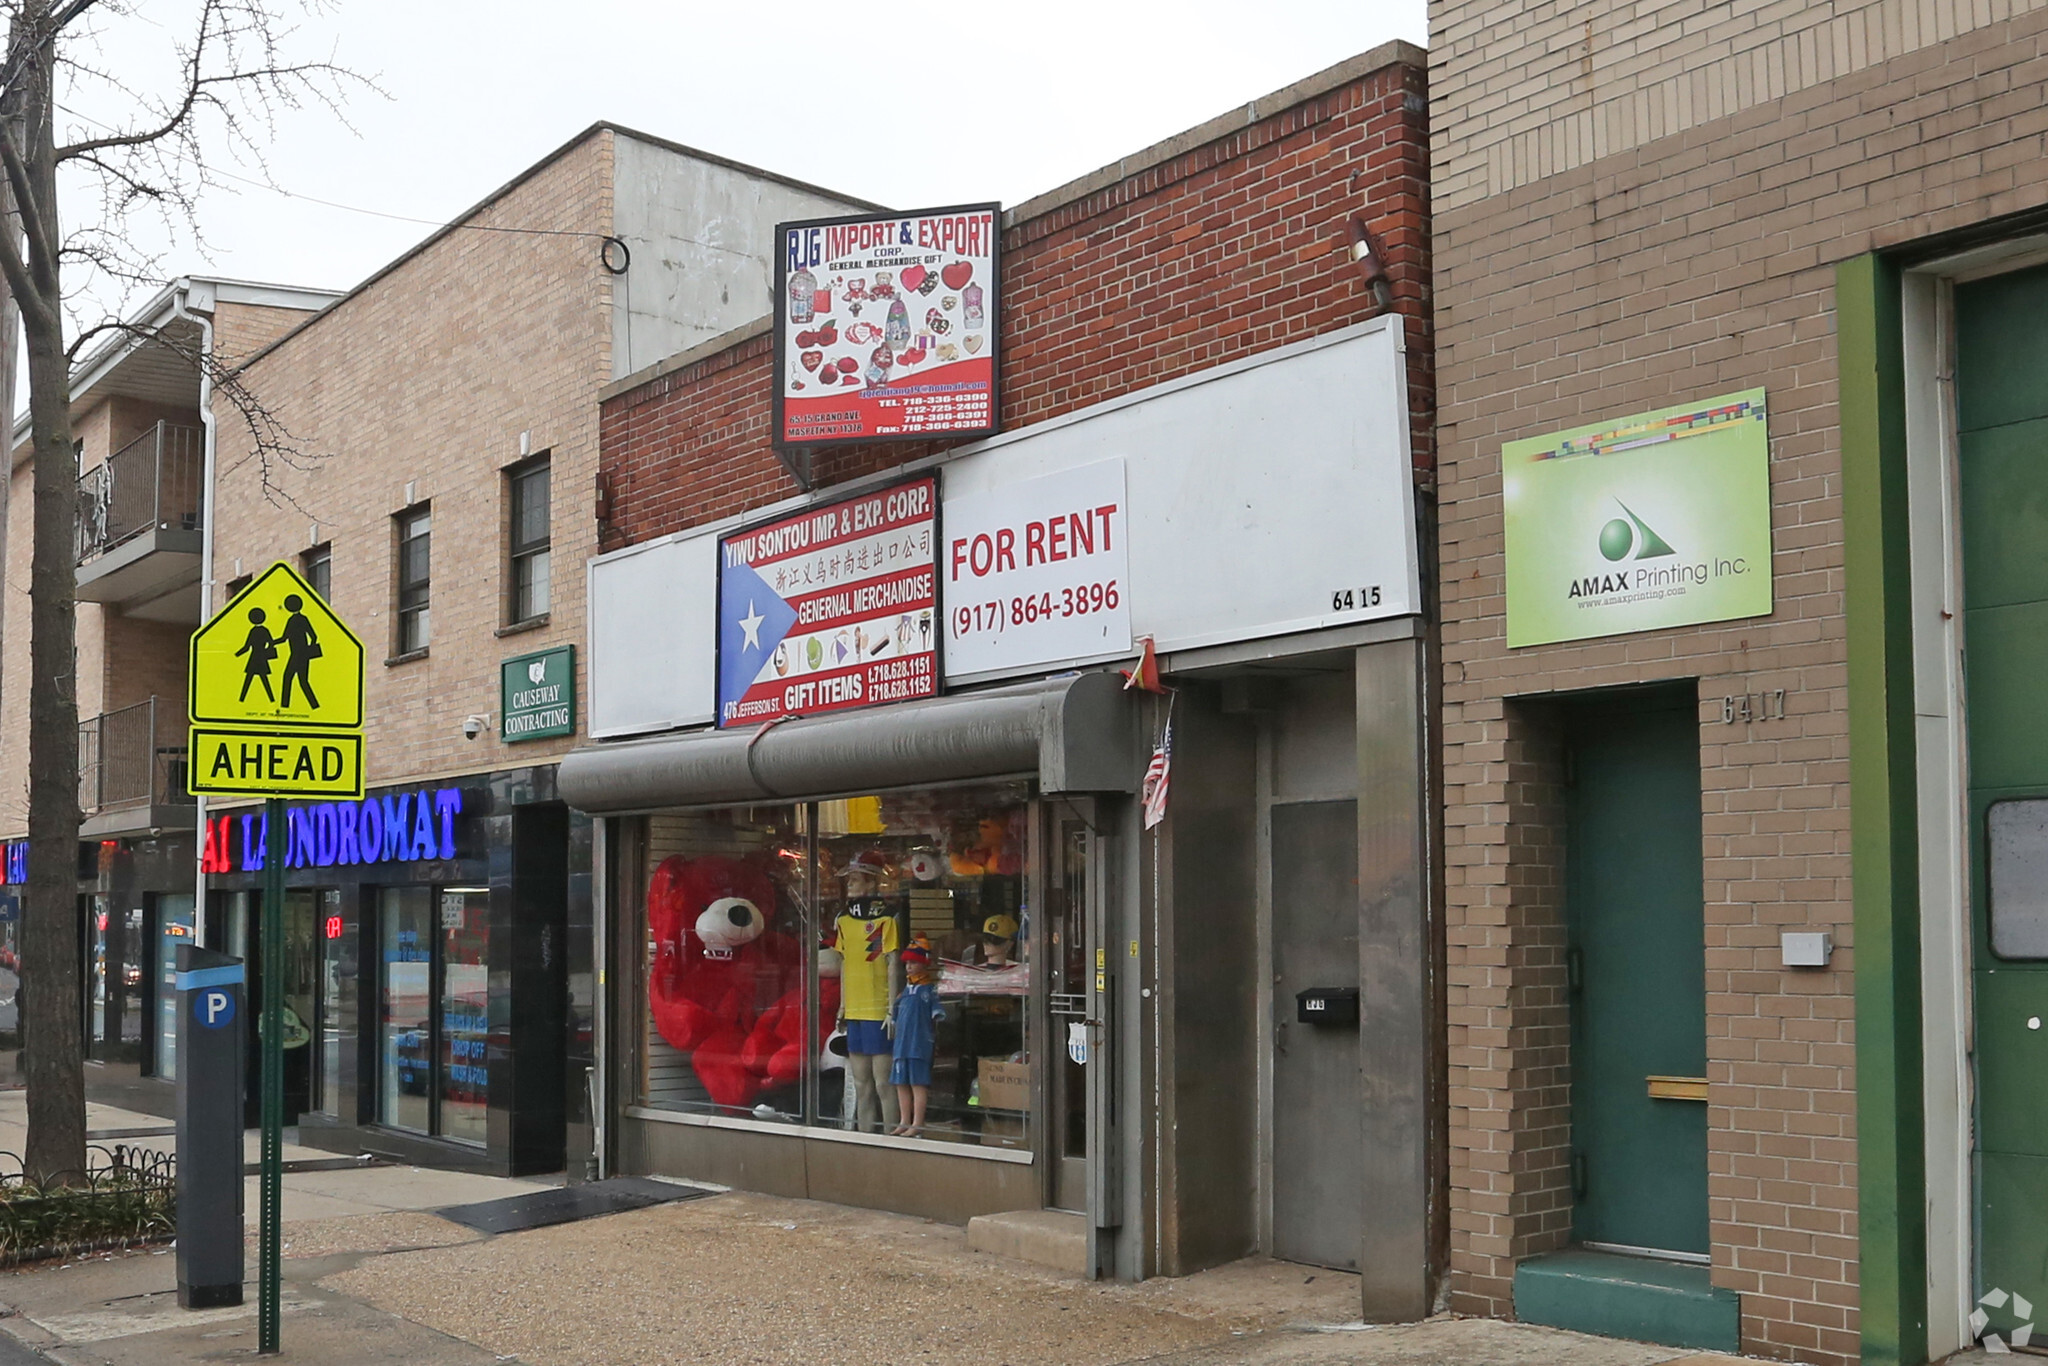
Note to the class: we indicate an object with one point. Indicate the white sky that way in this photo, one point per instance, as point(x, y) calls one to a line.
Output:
point(904, 103)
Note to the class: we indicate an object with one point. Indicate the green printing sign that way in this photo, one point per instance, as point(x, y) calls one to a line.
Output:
point(537, 695)
point(1662, 519)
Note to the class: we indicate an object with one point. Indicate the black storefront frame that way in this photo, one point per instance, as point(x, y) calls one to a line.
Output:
point(516, 838)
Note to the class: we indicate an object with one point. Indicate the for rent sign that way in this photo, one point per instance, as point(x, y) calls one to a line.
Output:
point(1038, 572)
point(887, 326)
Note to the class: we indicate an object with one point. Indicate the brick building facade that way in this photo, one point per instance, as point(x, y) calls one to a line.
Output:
point(1131, 298)
point(434, 473)
point(1635, 210)
point(141, 457)
point(1218, 244)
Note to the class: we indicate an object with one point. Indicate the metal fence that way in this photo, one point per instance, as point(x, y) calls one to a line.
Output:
point(153, 481)
point(132, 757)
point(126, 1196)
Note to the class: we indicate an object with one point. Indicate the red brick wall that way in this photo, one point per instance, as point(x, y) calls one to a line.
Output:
point(1229, 248)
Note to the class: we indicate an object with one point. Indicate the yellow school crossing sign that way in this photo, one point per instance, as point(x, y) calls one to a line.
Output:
point(275, 691)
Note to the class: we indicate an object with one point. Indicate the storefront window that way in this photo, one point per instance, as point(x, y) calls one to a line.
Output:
point(433, 1019)
point(404, 995)
point(861, 963)
point(464, 1070)
point(173, 927)
point(727, 943)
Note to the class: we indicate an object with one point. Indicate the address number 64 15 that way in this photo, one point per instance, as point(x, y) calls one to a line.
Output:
point(1350, 599)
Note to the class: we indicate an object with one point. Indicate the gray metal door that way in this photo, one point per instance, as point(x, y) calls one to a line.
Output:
point(1318, 1157)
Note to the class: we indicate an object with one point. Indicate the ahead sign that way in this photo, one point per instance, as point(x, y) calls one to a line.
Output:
point(276, 763)
point(275, 691)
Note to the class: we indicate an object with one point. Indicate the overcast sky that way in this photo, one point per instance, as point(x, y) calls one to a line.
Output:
point(904, 103)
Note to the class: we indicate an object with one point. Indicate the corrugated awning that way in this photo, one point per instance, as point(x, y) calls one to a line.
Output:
point(1077, 733)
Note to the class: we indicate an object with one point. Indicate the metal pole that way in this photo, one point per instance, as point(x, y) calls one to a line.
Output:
point(272, 1180)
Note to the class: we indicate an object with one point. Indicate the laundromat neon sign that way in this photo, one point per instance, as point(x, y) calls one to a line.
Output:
point(395, 828)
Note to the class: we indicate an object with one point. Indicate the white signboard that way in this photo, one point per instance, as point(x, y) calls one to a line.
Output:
point(1038, 573)
point(1266, 497)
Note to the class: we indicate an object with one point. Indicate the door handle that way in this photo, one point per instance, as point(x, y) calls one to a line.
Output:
point(1677, 1088)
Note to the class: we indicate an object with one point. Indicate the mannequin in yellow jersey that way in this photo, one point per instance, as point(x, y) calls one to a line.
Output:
point(869, 939)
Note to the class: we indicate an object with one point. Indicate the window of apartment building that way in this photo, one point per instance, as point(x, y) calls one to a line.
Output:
point(415, 529)
point(317, 565)
point(237, 584)
point(528, 488)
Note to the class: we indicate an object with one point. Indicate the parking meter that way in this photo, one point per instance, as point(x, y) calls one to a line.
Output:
point(210, 1063)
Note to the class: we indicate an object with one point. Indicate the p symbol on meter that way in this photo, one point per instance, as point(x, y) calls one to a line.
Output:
point(213, 1007)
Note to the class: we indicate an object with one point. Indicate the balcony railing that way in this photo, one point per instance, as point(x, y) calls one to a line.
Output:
point(153, 482)
point(133, 757)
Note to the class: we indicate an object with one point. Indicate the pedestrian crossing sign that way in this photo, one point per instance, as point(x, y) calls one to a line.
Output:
point(276, 658)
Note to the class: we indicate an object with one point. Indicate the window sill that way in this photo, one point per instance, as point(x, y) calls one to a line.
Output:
point(408, 657)
point(521, 627)
point(819, 1133)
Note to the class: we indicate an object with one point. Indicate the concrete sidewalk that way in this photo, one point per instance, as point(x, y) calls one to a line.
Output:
point(308, 1195)
point(734, 1279)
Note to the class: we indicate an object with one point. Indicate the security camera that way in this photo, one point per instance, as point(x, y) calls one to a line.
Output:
point(474, 726)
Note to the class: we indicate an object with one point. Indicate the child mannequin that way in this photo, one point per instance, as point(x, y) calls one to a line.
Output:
point(915, 1012)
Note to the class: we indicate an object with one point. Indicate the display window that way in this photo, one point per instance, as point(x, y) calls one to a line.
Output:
point(861, 963)
point(433, 1016)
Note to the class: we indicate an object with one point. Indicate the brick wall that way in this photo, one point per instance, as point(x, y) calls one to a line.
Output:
point(1542, 88)
point(1676, 269)
point(1229, 241)
point(428, 377)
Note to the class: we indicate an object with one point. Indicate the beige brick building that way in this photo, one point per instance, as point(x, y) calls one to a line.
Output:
point(437, 465)
point(142, 451)
point(1637, 208)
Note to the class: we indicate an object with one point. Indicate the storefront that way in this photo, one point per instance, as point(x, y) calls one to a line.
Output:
point(436, 1003)
point(135, 906)
point(870, 758)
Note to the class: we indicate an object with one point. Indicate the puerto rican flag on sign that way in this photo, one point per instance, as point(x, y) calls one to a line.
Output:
point(829, 608)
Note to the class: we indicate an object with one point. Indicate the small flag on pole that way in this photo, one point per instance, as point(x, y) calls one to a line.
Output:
point(1145, 676)
point(1158, 774)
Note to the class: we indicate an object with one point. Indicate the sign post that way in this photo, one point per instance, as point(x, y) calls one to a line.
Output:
point(275, 692)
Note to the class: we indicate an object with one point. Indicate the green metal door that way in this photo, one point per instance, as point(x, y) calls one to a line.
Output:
point(1636, 964)
point(2002, 457)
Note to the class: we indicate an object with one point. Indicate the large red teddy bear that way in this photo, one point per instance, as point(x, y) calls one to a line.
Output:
point(717, 967)
point(777, 1048)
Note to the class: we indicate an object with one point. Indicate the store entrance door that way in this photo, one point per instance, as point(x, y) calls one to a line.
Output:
point(1636, 969)
point(1069, 1045)
point(1318, 1162)
point(2002, 421)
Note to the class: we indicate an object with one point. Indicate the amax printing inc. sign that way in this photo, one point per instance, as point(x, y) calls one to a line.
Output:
point(1657, 520)
point(395, 827)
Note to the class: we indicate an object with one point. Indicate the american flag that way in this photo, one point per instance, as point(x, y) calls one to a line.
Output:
point(1158, 774)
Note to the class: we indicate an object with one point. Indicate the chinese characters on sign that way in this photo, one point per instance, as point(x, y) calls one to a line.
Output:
point(830, 608)
point(886, 326)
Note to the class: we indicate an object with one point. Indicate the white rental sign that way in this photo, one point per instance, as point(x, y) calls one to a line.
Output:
point(1038, 572)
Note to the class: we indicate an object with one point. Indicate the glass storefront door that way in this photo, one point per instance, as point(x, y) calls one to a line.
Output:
point(433, 1025)
point(404, 1002)
point(173, 927)
point(462, 1065)
point(1067, 998)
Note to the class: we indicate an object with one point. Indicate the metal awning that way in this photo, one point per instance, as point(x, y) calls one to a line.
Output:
point(1077, 733)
